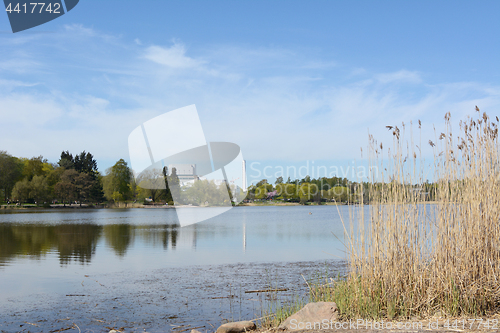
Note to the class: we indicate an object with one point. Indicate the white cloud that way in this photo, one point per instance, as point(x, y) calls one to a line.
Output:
point(399, 76)
point(80, 29)
point(173, 57)
point(270, 101)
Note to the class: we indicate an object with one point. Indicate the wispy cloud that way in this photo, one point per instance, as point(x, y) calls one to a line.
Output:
point(174, 56)
point(275, 103)
point(399, 76)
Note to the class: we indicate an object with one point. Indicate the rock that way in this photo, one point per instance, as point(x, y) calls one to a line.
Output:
point(311, 316)
point(237, 327)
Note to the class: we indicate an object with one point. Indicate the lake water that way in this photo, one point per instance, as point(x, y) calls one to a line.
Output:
point(137, 268)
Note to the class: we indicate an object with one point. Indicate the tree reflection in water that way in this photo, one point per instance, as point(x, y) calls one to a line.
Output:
point(77, 242)
point(71, 241)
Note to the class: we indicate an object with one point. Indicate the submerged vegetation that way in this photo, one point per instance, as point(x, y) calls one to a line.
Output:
point(408, 259)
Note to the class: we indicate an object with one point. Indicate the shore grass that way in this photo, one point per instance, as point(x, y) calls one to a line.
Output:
point(409, 258)
point(278, 311)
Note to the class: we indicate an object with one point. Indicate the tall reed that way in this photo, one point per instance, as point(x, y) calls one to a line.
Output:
point(411, 258)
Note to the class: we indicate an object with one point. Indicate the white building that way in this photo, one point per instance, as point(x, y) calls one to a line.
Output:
point(185, 172)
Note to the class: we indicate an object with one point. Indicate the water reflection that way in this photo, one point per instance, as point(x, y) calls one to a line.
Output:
point(118, 237)
point(78, 242)
point(71, 241)
point(153, 237)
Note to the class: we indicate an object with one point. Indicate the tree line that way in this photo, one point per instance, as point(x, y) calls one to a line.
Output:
point(35, 180)
point(75, 178)
point(324, 189)
point(303, 190)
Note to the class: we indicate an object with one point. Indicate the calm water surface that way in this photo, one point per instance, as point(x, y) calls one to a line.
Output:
point(54, 253)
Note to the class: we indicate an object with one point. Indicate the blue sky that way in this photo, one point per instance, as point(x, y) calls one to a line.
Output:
point(291, 82)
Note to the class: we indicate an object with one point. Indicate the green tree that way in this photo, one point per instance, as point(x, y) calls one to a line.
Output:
point(152, 184)
point(66, 161)
point(262, 190)
point(287, 191)
point(96, 190)
point(85, 163)
point(66, 188)
point(74, 185)
point(262, 182)
point(118, 180)
point(21, 190)
point(39, 189)
point(309, 192)
point(53, 177)
point(35, 166)
point(279, 180)
point(83, 185)
point(306, 179)
point(11, 169)
point(117, 196)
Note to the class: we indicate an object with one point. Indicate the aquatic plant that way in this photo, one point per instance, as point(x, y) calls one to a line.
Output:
point(409, 258)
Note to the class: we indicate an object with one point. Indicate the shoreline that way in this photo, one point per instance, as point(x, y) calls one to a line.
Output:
point(163, 206)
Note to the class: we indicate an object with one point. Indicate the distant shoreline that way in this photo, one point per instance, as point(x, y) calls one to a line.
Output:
point(163, 206)
point(152, 206)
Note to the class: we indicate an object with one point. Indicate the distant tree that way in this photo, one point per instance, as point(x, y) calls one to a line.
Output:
point(53, 177)
point(291, 191)
point(97, 191)
point(153, 184)
point(261, 192)
point(309, 192)
point(66, 161)
point(83, 185)
point(11, 169)
point(262, 182)
point(74, 185)
point(119, 176)
point(205, 192)
point(251, 192)
point(21, 190)
point(288, 180)
point(34, 167)
point(287, 191)
point(337, 194)
point(85, 162)
point(280, 189)
point(117, 196)
point(39, 189)
point(306, 179)
point(279, 180)
point(66, 188)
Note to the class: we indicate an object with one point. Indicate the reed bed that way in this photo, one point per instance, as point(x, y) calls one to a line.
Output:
point(414, 259)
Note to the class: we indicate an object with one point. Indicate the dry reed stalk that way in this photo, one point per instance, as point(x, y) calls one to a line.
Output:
point(410, 258)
